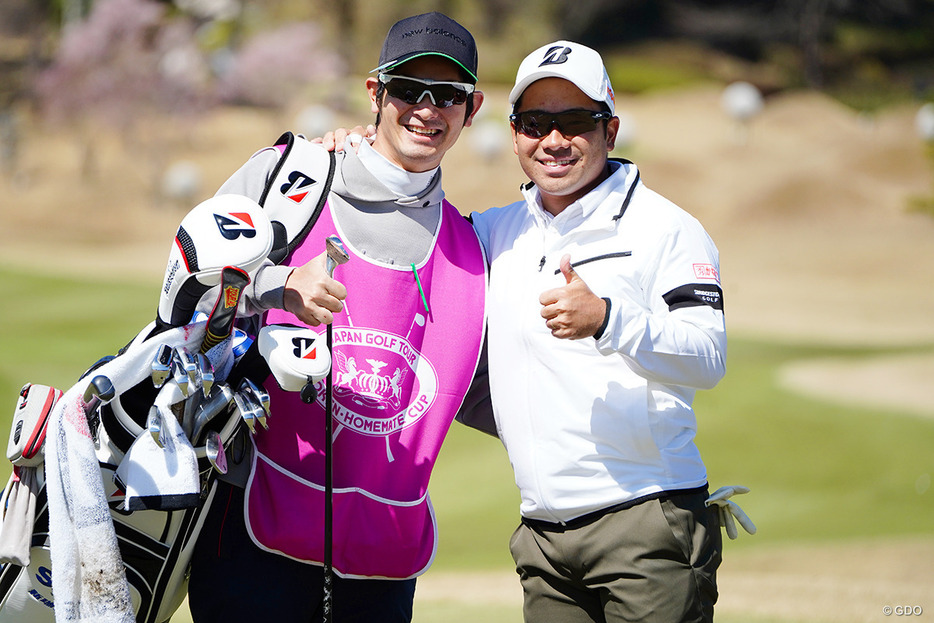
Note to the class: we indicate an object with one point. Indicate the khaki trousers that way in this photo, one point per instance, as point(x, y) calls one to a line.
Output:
point(653, 562)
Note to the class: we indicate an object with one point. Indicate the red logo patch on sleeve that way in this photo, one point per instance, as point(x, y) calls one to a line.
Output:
point(706, 271)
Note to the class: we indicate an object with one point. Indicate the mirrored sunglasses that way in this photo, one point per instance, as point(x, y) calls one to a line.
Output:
point(538, 123)
point(411, 90)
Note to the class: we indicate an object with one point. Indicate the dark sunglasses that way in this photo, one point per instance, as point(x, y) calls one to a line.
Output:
point(538, 123)
point(411, 90)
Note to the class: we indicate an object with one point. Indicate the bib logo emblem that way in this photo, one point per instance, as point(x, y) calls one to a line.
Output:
point(381, 383)
point(374, 388)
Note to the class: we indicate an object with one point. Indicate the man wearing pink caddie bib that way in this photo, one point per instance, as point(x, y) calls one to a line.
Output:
point(408, 315)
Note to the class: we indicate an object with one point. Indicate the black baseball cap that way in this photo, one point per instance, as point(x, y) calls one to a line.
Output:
point(427, 34)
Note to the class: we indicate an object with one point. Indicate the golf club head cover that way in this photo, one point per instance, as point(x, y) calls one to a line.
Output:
point(30, 421)
point(225, 230)
point(224, 313)
point(295, 355)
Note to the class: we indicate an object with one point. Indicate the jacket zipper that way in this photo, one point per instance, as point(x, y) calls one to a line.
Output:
point(606, 256)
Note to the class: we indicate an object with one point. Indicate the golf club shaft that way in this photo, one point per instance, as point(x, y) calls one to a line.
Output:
point(336, 255)
point(328, 492)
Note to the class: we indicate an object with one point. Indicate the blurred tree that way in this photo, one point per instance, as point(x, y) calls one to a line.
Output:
point(73, 10)
point(346, 26)
point(834, 39)
point(578, 19)
point(275, 64)
point(497, 15)
point(812, 29)
point(23, 37)
point(122, 65)
point(124, 60)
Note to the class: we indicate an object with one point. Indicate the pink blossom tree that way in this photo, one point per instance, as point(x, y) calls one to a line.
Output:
point(275, 65)
point(126, 62)
point(132, 63)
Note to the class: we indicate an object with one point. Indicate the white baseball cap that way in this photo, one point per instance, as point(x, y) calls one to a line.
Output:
point(574, 62)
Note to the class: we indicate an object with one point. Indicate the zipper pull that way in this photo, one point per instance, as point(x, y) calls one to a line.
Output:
point(541, 264)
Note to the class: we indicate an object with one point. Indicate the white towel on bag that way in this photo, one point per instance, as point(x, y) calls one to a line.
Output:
point(157, 478)
point(87, 572)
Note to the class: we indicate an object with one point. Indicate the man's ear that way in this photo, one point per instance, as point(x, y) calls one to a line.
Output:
point(612, 129)
point(477, 101)
point(372, 89)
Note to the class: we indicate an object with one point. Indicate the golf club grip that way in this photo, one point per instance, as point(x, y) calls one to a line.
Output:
point(221, 321)
point(327, 605)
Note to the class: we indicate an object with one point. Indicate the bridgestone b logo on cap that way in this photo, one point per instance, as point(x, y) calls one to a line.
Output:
point(554, 57)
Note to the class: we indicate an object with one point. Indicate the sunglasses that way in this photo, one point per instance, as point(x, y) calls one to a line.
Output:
point(538, 123)
point(411, 90)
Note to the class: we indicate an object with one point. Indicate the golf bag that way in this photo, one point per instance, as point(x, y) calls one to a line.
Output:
point(156, 544)
point(217, 243)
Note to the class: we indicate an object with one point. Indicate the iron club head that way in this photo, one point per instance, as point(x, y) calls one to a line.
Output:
point(154, 425)
point(246, 410)
point(161, 365)
point(205, 374)
point(180, 371)
point(252, 401)
point(258, 392)
point(188, 363)
point(213, 451)
point(337, 254)
point(217, 403)
point(99, 391)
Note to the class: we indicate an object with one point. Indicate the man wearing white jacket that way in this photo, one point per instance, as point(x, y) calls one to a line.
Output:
point(605, 317)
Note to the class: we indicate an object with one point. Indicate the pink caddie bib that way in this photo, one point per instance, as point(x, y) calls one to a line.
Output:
point(400, 374)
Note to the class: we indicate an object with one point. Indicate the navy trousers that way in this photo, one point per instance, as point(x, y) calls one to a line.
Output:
point(233, 580)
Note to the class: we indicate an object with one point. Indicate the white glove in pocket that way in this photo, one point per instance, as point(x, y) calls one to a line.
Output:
point(728, 509)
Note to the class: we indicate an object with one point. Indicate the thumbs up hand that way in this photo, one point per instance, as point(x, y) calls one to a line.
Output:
point(572, 311)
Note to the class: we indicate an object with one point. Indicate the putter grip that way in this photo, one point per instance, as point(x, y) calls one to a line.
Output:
point(221, 321)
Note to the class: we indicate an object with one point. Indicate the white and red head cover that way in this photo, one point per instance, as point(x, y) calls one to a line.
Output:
point(225, 230)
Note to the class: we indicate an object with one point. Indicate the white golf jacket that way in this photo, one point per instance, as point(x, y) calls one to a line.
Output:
point(593, 423)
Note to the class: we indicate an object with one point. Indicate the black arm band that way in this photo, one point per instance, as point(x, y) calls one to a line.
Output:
point(606, 320)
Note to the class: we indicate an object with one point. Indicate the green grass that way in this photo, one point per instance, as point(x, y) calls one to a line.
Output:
point(818, 472)
point(53, 328)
